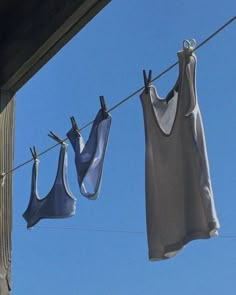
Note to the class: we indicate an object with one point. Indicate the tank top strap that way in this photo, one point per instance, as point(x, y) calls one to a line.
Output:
point(188, 81)
point(62, 163)
point(191, 77)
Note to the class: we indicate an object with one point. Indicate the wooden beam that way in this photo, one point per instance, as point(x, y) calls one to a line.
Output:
point(44, 28)
point(7, 106)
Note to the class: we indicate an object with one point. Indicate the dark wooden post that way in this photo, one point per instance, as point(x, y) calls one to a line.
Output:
point(7, 106)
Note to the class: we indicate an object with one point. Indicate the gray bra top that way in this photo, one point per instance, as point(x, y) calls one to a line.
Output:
point(89, 157)
point(59, 203)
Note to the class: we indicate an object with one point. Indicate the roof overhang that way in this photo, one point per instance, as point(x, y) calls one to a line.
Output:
point(32, 32)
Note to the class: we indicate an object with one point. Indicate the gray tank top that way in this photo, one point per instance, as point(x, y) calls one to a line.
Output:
point(89, 157)
point(59, 203)
point(179, 198)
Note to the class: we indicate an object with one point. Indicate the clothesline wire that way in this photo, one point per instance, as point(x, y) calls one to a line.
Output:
point(128, 97)
point(104, 230)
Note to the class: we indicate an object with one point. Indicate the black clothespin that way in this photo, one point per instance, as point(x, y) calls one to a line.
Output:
point(103, 106)
point(74, 124)
point(34, 153)
point(55, 137)
point(147, 80)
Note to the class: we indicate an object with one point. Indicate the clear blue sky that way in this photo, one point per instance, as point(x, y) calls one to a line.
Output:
point(107, 58)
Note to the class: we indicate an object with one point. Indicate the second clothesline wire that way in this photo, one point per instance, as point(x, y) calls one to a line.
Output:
point(110, 110)
point(77, 228)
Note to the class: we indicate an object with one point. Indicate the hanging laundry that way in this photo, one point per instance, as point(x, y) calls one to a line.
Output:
point(60, 202)
point(89, 157)
point(179, 199)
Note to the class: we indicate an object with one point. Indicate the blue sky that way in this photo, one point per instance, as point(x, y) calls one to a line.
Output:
point(107, 58)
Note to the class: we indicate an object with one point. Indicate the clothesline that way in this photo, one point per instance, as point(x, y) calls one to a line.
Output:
point(128, 97)
point(104, 230)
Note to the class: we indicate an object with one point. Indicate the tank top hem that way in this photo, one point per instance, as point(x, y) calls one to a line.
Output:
point(171, 250)
point(29, 226)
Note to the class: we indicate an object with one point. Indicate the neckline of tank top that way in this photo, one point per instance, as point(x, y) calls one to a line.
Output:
point(63, 170)
point(182, 56)
point(166, 105)
point(98, 119)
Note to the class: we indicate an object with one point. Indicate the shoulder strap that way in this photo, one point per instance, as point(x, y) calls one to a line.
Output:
point(191, 77)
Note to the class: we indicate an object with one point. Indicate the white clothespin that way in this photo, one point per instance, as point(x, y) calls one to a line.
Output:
point(189, 45)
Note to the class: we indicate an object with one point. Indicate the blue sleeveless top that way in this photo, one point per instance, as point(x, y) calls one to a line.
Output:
point(89, 157)
point(59, 203)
